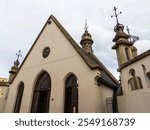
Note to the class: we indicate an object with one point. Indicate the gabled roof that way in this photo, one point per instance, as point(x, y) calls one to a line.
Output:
point(90, 59)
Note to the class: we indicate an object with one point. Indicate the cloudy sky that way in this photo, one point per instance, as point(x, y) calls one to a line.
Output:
point(22, 20)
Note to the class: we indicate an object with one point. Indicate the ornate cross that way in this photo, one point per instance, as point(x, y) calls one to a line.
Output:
point(18, 54)
point(116, 14)
point(86, 27)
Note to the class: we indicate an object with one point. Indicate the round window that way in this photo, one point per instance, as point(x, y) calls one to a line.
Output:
point(46, 52)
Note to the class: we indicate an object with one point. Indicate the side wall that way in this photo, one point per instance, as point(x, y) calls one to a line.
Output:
point(3, 97)
point(135, 100)
point(136, 103)
point(102, 92)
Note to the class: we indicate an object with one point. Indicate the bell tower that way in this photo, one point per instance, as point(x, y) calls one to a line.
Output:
point(86, 40)
point(123, 45)
point(14, 68)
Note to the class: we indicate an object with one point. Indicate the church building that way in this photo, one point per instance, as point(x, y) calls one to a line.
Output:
point(59, 76)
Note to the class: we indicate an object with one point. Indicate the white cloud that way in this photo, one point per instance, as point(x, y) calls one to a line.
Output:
point(142, 45)
point(22, 20)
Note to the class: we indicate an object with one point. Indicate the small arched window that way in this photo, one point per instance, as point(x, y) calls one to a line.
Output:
point(71, 95)
point(127, 53)
point(135, 81)
point(19, 98)
point(146, 75)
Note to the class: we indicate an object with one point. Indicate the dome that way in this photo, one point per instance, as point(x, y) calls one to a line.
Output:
point(86, 37)
point(119, 27)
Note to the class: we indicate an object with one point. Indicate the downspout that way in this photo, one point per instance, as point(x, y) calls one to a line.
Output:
point(115, 104)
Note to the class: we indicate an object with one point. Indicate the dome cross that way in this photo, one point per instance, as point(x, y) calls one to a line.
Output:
point(116, 14)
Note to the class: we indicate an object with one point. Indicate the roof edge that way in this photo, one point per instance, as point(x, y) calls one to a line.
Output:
point(108, 84)
point(4, 84)
point(137, 58)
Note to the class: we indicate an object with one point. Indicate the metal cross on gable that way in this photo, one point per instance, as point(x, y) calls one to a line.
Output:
point(18, 54)
point(116, 14)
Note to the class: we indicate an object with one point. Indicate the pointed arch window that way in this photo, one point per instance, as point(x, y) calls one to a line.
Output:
point(127, 53)
point(41, 95)
point(19, 98)
point(71, 95)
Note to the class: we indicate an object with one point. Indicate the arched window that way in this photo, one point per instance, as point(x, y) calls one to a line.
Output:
point(127, 53)
point(135, 81)
point(19, 98)
point(148, 75)
point(71, 95)
point(41, 96)
point(145, 75)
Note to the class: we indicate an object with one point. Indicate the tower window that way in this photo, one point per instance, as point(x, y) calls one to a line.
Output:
point(147, 78)
point(127, 53)
point(148, 75)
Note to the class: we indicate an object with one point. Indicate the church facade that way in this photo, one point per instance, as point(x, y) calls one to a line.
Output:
point(57, 76)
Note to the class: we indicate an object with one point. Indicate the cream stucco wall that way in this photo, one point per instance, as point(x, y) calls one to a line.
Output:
point(62, 61)
point(102, 92)
point(3, 97)
point(135, 103)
